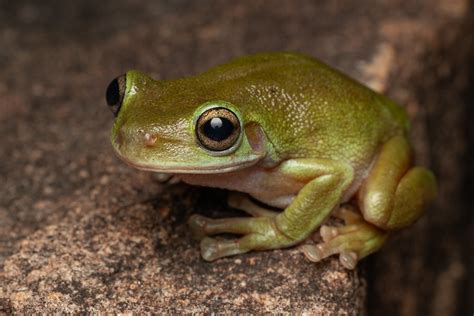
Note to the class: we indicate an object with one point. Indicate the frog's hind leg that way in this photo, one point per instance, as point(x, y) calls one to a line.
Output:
point(392, 197)
point(395, 195)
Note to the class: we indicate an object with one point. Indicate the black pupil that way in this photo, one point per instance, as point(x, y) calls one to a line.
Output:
point(218, 128)
point(113, 93)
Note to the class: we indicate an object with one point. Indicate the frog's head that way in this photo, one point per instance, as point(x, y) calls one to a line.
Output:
point(179, 126)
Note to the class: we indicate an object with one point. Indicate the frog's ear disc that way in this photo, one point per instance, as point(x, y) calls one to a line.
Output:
point(115, 93)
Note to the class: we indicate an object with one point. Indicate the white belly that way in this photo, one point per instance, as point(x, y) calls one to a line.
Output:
point(264, 185)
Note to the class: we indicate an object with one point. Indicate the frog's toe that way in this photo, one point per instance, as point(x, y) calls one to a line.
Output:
point(352, 242)
point(212, 249)
point(328, 232)
point(348, 259)
point(314, 253)
point(209, 249)
point(197, 225)
point(348, 214)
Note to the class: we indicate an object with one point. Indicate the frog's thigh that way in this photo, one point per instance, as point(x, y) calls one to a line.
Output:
point(393, 195)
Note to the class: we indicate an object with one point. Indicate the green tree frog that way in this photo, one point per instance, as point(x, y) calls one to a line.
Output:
point(288, 131)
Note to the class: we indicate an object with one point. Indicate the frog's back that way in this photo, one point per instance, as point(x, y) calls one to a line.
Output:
point(307, 108)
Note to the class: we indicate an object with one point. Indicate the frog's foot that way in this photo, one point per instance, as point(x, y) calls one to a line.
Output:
point(260, 233)
point(242, 202)
point(354, 241)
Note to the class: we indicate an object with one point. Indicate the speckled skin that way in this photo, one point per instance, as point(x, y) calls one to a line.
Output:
point(322, 114)
point(312, 138)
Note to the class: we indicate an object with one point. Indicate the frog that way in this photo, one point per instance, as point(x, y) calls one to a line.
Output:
point(292, 139)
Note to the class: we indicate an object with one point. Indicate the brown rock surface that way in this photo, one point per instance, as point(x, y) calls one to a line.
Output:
point(81, 232)
point(140, 257)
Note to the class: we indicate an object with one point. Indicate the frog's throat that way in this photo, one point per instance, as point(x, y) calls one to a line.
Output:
point(189, 169)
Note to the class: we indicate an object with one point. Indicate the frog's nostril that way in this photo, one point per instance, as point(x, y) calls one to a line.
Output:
point(115, 93)
point(150, 139)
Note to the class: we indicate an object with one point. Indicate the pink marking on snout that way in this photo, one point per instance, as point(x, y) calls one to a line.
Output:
point(149, 139)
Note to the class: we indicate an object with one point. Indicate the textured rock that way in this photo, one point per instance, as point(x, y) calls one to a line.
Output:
point(140, 257)
point(81, 232)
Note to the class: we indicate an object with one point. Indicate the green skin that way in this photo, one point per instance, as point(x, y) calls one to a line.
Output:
point(311, 139)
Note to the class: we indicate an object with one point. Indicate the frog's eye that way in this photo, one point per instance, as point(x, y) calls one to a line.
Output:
point(115, 93)
point(218, 129)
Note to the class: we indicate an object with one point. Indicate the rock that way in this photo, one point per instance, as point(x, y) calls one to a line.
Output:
point(82, 232)
point(140, 257)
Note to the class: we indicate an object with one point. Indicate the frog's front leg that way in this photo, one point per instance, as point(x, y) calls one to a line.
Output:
point(325, 183)
point(202, 226)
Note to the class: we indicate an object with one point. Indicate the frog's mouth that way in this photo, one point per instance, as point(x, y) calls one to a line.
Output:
point(176, 168)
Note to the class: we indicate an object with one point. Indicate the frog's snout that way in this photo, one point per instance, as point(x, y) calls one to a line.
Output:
point(115, 93)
